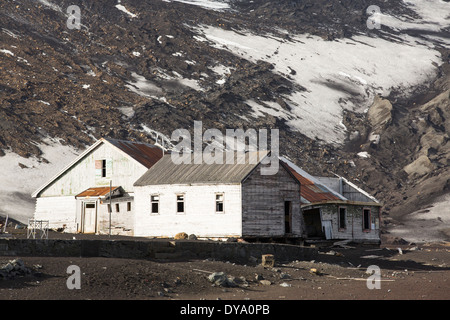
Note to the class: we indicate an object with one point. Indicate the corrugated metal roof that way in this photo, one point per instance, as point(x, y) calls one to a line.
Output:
point(96, 192)
point(146, 154)
point(311, 190)
point(166, 171)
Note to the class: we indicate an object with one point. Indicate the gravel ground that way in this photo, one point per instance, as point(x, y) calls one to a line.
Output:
point(411, 273)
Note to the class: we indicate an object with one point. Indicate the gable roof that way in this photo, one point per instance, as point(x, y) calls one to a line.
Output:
point(312, 190)
point(146, 154)
point(166, 171)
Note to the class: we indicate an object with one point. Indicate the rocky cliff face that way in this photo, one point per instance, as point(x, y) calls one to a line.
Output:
point(137, 68)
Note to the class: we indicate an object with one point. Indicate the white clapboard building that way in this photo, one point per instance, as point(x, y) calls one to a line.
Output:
point(97, 182)
point(217, 200)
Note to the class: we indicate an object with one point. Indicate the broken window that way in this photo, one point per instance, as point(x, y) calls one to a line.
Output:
point(342, 218)
point(219, 203)
point(366, 219)
point(154, 203)
point(117, 207)
point(128, 206)
point(180, 203)
point(103, 168)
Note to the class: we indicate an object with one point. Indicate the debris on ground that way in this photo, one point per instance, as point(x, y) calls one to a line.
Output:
point(13, 268)
point(221, 279)
point(265, 282)
point(268, 260)
point(181, 235)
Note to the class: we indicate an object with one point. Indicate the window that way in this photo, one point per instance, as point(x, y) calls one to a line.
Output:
point(219, 203)
point(154, 204)
point(117, 207)
point(109, 208)
point(342, 218)
point(180, 203)
point(366, 219)
point(103, 168)
point(128, 206)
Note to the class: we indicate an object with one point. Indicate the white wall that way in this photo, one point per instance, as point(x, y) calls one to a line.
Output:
point(200, 217)
point(122, 222)
point(65, 207)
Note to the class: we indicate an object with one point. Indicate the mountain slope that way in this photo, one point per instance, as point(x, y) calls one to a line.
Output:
point(335, 86)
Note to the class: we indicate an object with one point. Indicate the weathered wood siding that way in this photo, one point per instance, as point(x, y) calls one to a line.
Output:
point(354, 221)
point(263, 198)
point(200, 217)
point(353, 194)
point(124, 171)
point(60, 211)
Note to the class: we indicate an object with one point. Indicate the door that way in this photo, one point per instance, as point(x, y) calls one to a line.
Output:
point(326, 224)
point(90, 215)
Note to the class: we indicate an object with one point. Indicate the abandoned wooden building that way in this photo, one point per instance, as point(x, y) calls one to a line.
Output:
point(100, 180)
point(335, 208)
point(217, 200)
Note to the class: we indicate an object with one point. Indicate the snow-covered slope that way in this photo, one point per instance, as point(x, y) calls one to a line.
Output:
point(343, 74)
point(22, 176)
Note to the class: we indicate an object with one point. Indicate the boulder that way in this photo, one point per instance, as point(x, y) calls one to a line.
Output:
point(181, 235)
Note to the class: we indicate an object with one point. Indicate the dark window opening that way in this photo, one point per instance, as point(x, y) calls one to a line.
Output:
point(103, 168)
point(117, 207)
point(366, 219)
point(342, 218)
point(154, 204)
point(219, 203)
point(180, 203)
point(287, 217)
point(128, 206)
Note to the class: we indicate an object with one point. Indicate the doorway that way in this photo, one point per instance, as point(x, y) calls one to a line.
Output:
point(287, 217)
point(313, 223)
point(89, 217)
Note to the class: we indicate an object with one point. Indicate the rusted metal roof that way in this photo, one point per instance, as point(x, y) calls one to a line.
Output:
point(166, 171)
point(146, 154)
point(96, 192)
point(311, 190)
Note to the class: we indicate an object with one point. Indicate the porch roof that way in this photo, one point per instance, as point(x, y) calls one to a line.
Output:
point(96, 192)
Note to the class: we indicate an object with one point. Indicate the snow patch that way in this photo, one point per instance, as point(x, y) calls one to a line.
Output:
point(363, 154)
point(10, 33)
point(7, 52)
point(18, 183)
point(142, 86)
point(123, 9)
point(208, 4)
point(430, 224)
point(338, 75)
point(51, 5)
